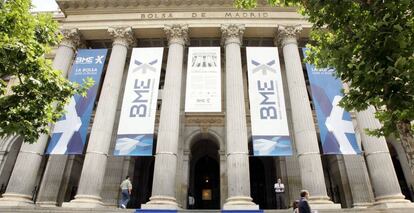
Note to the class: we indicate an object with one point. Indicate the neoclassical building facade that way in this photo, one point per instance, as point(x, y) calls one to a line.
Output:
point(198, 151)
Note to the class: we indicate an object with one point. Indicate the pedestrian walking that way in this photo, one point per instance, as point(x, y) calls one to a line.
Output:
point(295, 206)
point(303, 202)
point(126, 188)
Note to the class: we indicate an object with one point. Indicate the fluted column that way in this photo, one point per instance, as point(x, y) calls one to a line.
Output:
point(238, 178)
point(165, 167)
point(303, 126)
point(387, 190)
point(23, 179)
point(93, 171)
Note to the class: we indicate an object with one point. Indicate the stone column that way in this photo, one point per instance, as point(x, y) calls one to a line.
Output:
point(387, 190)
point(303, 126)
point(165, 167)
point(94, 166)
point(238, 178)
point(359, 183)
point(23, 179)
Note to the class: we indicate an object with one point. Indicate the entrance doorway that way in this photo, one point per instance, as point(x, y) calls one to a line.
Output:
point(205, 175)
point(262, 178)
point(141, 181)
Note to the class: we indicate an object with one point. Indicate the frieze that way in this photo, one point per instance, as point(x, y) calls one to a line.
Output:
point(203, 15)
point(204, 120)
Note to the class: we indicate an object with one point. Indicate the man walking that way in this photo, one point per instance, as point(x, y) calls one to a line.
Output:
point(126, 188)
point(303, 202)
point(280, 194)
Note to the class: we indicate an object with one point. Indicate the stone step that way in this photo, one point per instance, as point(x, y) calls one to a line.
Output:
point(110, 210)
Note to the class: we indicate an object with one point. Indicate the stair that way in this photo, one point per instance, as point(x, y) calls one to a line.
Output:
point(110, 210)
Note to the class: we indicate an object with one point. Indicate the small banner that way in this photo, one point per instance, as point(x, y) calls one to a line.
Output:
point(136, 123)
point(335, 124)
point(270, 129)
point(69, 133)
point(203, 90)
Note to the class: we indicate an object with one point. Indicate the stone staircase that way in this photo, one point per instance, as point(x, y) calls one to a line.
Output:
point(110, 210)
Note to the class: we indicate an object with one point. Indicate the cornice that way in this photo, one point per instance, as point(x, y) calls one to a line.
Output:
point(127, 6)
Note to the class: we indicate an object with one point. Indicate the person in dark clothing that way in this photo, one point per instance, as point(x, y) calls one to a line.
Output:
point(303, 202)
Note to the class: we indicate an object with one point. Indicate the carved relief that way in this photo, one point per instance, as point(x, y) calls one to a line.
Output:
point(204, 121)
point(122, 35)
point(177, 33)
point(231, 33)
point(71, 38)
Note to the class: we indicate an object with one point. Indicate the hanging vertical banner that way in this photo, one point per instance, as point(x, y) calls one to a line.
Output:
point(69, 133)
point(136, 124)
point(270, 131)
point(335, 124)
point(203, 89)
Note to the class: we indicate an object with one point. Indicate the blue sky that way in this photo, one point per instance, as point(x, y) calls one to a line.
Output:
point(44, 5)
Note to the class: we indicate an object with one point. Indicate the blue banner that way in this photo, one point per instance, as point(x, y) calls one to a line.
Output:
point(336, 129)
point(69, 133)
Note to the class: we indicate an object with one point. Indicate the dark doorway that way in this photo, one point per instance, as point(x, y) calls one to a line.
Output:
point(142, 181)
point(406, 190)
point(262, 179)
point(205, 175)
point(257, 182)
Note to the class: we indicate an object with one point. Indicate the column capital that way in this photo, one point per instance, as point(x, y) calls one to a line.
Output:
point(287, 34)
point(71, 38)
point(177, 33)
point(232, 33)
point(121, 35)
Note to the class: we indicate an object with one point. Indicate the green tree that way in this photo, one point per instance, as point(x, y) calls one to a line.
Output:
point(371, 45)
point(41, 93)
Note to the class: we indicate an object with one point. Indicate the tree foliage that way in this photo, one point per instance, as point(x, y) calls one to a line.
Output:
point(371, 45)
point(41, 93)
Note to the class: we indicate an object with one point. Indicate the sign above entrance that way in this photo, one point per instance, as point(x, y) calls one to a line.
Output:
point(270, 130)
point(203, 15)
point(136, 124)
point(203, 91)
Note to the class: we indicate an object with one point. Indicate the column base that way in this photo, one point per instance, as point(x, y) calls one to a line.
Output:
point(240, 203)
point(393, 201)
point(84, 201)
point(322, 202)
point(161, 202)
point(362, 205)
point(12, 199)
point(46, 204)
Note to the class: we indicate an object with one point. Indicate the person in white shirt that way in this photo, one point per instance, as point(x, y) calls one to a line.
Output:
point(191, 201)
point(280, 194)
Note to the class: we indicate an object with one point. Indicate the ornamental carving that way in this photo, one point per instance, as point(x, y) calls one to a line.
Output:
point(122, 35)
point(177, 33)
point(204, 121)
point(288, 34)
point(232, 33)
point(71, 38)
